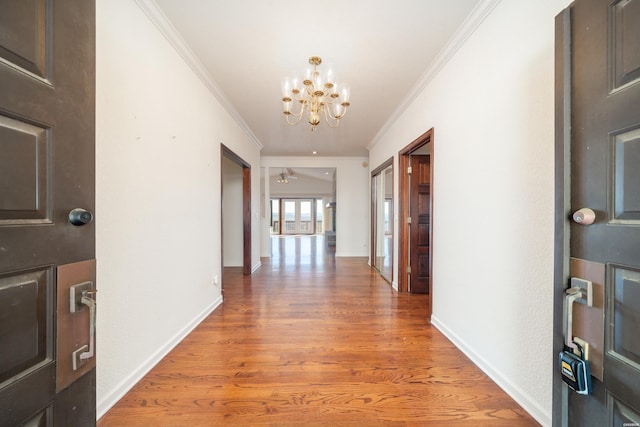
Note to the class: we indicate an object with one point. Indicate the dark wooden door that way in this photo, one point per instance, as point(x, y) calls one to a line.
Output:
point(46, 170)
point(603, 46)
point(420, 208)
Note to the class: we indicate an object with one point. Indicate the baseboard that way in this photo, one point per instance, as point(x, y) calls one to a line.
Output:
point(121, 389)
point(533, 408)
point(257, 266)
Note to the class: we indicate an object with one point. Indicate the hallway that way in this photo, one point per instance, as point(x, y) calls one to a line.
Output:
point(311, 340)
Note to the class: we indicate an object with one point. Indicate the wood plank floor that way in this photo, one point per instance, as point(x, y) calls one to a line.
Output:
point(310, 340)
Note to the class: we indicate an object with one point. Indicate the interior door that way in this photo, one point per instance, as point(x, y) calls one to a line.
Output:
point(382, 219)
point(46, 171)
point(600, 76)
point(420, 224)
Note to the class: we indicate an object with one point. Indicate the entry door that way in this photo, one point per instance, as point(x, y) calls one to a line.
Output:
point(298, 216)
point(420, 224)
point(601, 48)
point(46, 170)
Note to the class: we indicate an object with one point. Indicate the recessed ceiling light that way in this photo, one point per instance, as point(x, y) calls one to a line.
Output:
point(315, 152)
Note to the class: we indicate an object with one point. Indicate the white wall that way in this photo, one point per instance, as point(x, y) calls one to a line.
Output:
point(352, 201)
point(158, 135)
point(232, 215)
point(491, 107)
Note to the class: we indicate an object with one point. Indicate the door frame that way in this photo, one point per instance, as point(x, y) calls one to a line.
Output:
point(246, 208)
point(403, 211)
point(562, 209)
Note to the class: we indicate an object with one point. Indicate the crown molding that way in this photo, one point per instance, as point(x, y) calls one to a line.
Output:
point(468, 27)
point(160, 20)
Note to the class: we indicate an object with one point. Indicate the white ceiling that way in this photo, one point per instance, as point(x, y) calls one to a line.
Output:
point(301, 173)
point(381, 48)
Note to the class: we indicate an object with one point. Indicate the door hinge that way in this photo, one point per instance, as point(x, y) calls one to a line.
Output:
point(409, 269)
point(408, 220)
point(409, 170)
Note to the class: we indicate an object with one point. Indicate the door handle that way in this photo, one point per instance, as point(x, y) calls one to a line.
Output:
point(581, 291)
point(571, 296)
point(84, 353)
point(576, 372)
point(79, 217)
point(584, 216)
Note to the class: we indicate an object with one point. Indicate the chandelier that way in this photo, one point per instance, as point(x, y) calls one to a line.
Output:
point(318, 95)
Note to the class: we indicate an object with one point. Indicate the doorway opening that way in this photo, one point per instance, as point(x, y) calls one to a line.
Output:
point(236, 204)
point(302, 203)
point(415, 183)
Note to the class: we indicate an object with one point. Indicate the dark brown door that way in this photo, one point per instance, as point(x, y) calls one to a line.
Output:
point(46, 171)
point(602, 44)
point(420, 208)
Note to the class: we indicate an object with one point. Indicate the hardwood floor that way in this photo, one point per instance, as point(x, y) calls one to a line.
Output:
point(310, 340)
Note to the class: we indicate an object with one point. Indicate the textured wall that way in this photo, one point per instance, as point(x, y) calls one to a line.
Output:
point(158, 136)
point(491, 107)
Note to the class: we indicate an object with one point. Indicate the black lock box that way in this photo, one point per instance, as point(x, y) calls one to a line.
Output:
point(575, 372)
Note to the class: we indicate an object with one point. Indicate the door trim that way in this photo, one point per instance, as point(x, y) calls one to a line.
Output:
point(246, 207)
point(559, 413)
point(403, 210)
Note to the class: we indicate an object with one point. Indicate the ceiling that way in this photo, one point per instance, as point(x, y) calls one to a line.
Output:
point(381, 48)
point(304, 174)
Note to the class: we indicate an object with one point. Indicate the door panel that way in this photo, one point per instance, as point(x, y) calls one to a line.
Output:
point(622, 369)
point(26, 321)
point(604, 118)
point(289, 215)
point(46, 170)
point(420, 224)
point(26, 342)
point(624, 37)
point(626, 177)
point(24, 149)
point(23, 38)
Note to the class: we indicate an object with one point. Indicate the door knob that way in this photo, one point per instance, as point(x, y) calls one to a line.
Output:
point(80, 217)
point(584, 216)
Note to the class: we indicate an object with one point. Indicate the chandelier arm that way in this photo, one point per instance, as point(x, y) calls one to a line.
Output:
point(328, 117)
point(295, 122)
point(300, 112)
point(344, 111)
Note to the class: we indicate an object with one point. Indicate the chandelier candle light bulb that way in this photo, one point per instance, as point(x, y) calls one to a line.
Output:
point(319, 96)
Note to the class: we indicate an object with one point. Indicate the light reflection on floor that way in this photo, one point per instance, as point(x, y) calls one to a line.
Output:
point(383, 262)
point(300, 250)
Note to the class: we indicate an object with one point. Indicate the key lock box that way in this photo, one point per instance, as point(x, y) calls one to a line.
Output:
point(573, 363)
